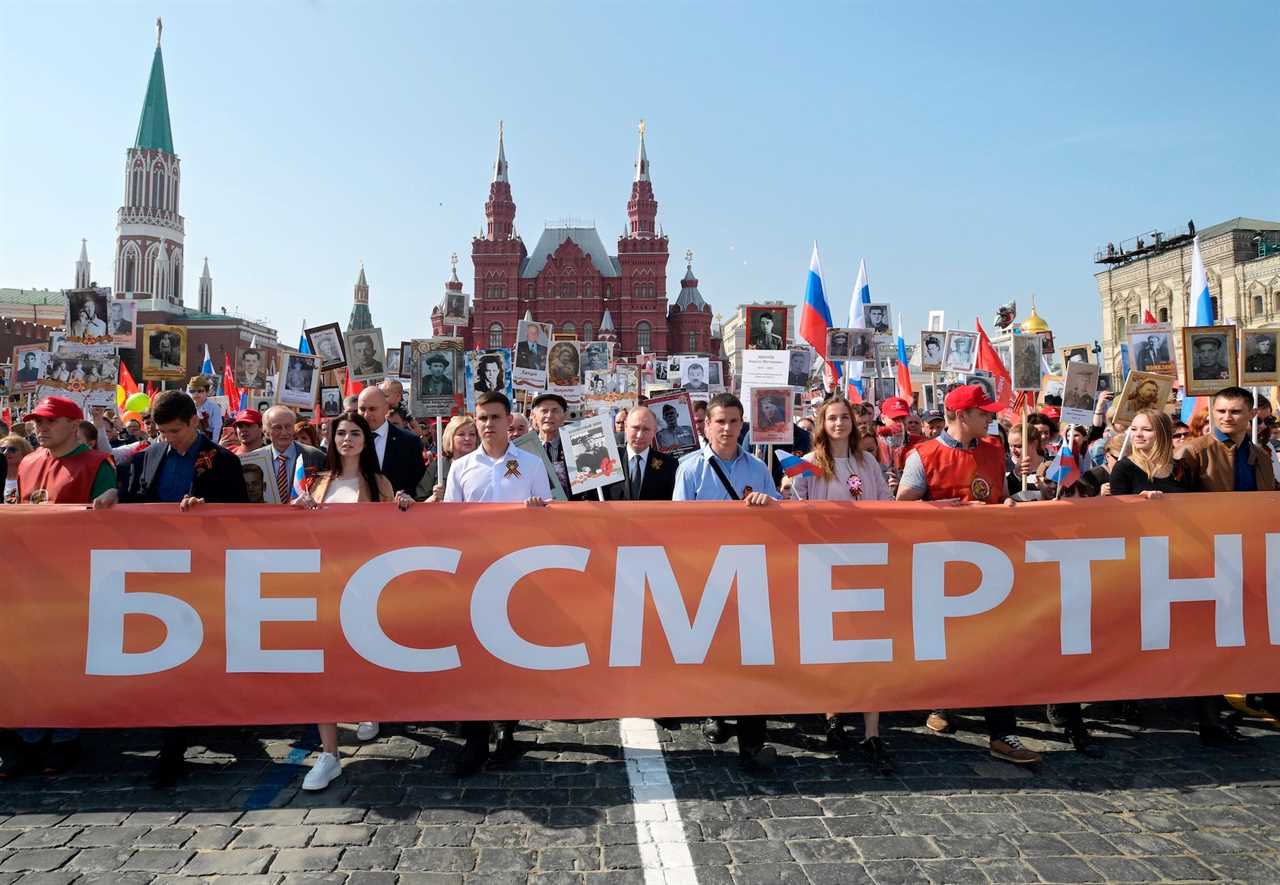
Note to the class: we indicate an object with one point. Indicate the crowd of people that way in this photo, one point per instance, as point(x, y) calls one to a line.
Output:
point(375, 451)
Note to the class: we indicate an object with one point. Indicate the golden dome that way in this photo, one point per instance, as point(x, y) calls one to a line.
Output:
point(1034, 323)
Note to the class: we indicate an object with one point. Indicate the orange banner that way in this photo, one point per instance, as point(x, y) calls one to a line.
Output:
point(261, 614)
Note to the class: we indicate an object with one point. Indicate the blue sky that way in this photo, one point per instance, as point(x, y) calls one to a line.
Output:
point(971, 153)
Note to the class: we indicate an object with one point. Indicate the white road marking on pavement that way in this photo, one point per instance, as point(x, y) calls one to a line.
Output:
point(664, 853)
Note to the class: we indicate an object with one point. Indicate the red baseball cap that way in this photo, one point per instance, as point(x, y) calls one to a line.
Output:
point(55, 407)
point(1051, 412)
point(970, 396)
point(248, 416)
point(895, 407)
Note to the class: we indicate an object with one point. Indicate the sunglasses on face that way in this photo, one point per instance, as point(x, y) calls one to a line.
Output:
point(8, 450)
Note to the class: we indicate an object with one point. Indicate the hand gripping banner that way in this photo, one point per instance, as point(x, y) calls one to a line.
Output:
point(263, 614)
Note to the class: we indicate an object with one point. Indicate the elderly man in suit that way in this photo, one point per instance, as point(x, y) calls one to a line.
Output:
point(279, 422)
point(532, 352)
point(650, 475)
point(399, 451)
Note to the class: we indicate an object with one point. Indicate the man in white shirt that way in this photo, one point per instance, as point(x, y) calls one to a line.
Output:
point(279, 422)
point(495, 472)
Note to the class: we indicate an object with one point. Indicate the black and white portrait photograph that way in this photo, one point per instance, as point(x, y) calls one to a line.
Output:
point(435, 374)
point(799, 365)
point(595, 356)
point(1080, 392)
point(885, 388)
point(533, 342)
point(364, 355)
point(330, 401)
point(455, 309)
point(931, 345)
point(259, 476)
point(326, 342)
point(591, 454)
point(299, 379)
point(488, 372)
point(862, 344)
point(406, 359)
point(392, 362)
point(838, 345)
point(164, 353)
point(714, 375)
point(984, 380)
point(251, 369)
point(674, 412)
point(1076, 353)
point(87, 311)
point(564, 365)
point(1258, 356)
point(694, 375)
point(771, 411)
point(767, 328)
point(30, 363)
point(876, 318)
point(1210, 353)
point(960, 351)
point(122, 316)
point(1151, 350)
point(1142, 390)
point(1027, 362)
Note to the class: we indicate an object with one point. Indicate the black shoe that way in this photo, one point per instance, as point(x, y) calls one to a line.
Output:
point(716, 731)
point(1130, 712)
point(472, 758)
point(1057, 717)
point(508, 749)
point(837, 737)
point(61, 756)
point(1083, 741)
point(757, 758)
point(1219, 734)
point(878, 756)
point(17, 757)
point(669, 724)
point(167, 771)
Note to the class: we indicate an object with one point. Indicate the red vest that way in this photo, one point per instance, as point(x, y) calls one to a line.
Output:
point(975, 474)
point(66, 480)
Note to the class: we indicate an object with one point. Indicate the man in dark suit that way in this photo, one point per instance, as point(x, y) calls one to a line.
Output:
point(547, 415)
point(279, 422)
point(650, 475)
point(532, 352)
point(399, 451)
point(30, 372)
point(186, 468)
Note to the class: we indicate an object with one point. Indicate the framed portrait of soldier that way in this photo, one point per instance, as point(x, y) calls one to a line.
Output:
point(326, 342)
point(1046, 343)
point(937, 323)
point(876, 318)
point(1151, 348)
point(1076, 353)
point(673, 369)
point(715, 375)
point(564, 365)
point(1080, 392)
point(1027, 362)
point(838, 345)
point(86, 316)
point(1142, 390)
point(771, 412)
point(164, 353)
point(364, 355)
point(299, 379)
point(260, 476)
point(1051, 390)
point(1105, 381)
point(392, 362)
point(488, 371)
point(674, 411)
point(330, 401)
point(862, 345)
point(591, 454)
point(455, 309)
point(695, 375)
point(533, 342)
point(960, 351)
point(1258, 356)
point(932, 344)
point(122, 317)
point(251, 369)
point(438, 377)
point(595, 356)
point(1210, 359)
point(799, 365)
point(406, 359)
point(884, 388)
point(766, 328)
point(30, 363)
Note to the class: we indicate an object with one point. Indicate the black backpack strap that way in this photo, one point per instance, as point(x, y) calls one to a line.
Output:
point(724, 480)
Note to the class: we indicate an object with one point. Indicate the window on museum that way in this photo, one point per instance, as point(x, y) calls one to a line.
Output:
point(1259, 306)
point(1277, 307)
point(608, 290)
point(569, 328)
point(529, 290)
point(567, 290)
point(495, 335)
point(693, 342)
point(130, 272)
point(586, 290)
point(643, 334)
point(1164, 314)
point(551, 288)
point(1213, 300)
point(588, 332)
point(1133, 319)
point(1119, 327)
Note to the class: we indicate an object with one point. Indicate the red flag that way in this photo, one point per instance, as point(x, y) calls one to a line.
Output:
point(229, 384)
point(852, 394)
point(989, 361)
point(151, 390)
point(7, 416)
point(126, 380)
point(350, 386)
point(1148, 317)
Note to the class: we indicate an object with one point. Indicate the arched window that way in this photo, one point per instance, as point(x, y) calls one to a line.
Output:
point(567, 290)
point(130, 271)
point(1259, 306)
point(1164, 314)
point(136, 192)
point(551, 288)
point(586, 290)
point(569, 329)
point(1133, 319)
point(693, 342)
point(1120, 328)
point(643, 335)
point(608, 290)
point(588, 332)
point(495, 334)
point(1213, 300)
point(529, 290)
point(1277, 302)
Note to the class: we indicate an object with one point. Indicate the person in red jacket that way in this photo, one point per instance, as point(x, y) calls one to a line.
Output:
point(965, 465)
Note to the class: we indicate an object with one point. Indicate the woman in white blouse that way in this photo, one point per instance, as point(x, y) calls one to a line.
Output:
point(849, 474)
point(350, 476)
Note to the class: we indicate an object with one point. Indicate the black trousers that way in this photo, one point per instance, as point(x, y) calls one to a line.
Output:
point(479, 731)
point(1001, 720)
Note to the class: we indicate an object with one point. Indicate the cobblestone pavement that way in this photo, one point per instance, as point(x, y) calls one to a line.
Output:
point(1158, 807)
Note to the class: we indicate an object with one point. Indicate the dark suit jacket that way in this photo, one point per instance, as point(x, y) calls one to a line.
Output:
point(402, 461)
point(658, 484)
point(221, 483)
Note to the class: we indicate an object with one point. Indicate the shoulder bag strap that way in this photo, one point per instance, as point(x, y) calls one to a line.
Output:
point(724, 480)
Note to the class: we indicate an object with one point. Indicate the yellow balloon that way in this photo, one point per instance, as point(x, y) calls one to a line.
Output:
point(119, 395)
point(139, 402)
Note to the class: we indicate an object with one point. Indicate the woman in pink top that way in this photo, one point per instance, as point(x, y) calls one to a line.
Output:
point(849, 474)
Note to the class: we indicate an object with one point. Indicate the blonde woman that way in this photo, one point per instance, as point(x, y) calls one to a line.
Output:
point(460, 437)
point(14, 448)
point(350, 476)
point(1150, 469)
point(845, 473)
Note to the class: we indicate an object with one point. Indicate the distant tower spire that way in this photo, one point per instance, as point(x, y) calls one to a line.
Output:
point(206, 289)
point(361, 318)
point(642, 208)
point(159, 30)
point(500, 209)
point(500, 165)
point(642, 159)
point(82, 267)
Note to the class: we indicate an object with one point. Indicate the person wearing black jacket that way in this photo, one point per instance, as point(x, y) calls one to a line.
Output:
point(189, 469)
point(399, 451)
point(653, 476)
point(547, 415)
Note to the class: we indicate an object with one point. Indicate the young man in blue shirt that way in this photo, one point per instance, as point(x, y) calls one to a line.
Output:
point(724, 471)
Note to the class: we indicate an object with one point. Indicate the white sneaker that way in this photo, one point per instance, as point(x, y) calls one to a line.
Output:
point(366, 731)
point(324, 772)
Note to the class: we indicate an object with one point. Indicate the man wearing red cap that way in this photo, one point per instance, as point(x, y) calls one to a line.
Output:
point(248, 425)
point(897, 410)
point(963, 464)
point(64, 470)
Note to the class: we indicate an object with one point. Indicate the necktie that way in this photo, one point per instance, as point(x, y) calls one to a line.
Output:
point(282, 478)
point(635, 478)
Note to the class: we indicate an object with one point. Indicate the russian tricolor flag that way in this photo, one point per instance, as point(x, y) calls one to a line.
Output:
point(857, 320)
point(1204, 317)
point(815, 320)
point(904, 369)
point(794, 466)
point(1065, 467)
